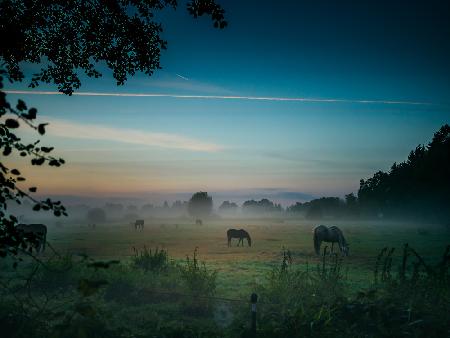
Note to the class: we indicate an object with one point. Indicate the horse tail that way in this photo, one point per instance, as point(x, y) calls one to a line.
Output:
point(316, 243)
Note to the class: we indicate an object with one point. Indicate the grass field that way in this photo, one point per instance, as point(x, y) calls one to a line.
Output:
point(240, 268)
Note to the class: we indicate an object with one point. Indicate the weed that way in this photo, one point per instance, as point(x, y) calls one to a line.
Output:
point(155, 261)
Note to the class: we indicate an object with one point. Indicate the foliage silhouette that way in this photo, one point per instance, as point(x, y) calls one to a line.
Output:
point(417, 188)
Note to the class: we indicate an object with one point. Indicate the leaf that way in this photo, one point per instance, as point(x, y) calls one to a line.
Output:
point(32, 113)
point(21, 105)
point(15, 172)
point(32, 189)
point(7, 151)
point(47, 149)
point(41, 128)
point(12, 123)
point(38, 161)
point(37, 207)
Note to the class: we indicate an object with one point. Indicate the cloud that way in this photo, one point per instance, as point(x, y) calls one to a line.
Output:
point(69, 129)
point(225, 97)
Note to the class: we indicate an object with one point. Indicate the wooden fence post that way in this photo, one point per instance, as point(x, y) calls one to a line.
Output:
point(253, 300)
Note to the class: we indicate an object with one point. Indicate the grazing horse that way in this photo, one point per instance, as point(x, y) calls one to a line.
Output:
point(241, 234)
point(198, 222)
point(38, 230)
point(331, 235)
point(139, 224)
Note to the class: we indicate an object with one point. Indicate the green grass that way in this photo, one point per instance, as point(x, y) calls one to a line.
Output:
point(240, 269)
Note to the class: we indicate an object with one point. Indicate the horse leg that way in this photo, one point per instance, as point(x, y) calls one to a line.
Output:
point(332, 247)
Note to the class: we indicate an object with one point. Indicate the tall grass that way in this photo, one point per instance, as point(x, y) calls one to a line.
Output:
point(148, 260)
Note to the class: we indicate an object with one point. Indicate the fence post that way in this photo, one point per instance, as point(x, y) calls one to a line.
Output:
point(253, 300)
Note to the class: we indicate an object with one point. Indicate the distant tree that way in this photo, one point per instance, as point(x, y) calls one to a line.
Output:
point(351, 205)
point(296, 208)
point(200, 204)
point(147, 207)
point(114, 207)
point(329, 207)
point(228, 206)
point(179, 207)
point(132, 208)
point(65, 38)
point(416, 188)
point(262, 206)
point(96, 215)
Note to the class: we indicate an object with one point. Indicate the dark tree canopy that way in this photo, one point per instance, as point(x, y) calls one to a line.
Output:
point(418, 187)
point(65, 37)
point(330, 207)
point(228, 206)
point(262, 206)
point(200, 204)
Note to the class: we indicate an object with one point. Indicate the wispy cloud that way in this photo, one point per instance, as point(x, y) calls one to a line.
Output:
point(69, 129)
point(225, 97)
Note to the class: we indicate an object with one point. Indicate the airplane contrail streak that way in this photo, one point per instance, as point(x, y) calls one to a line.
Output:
point(182, 77)
point(220, 97)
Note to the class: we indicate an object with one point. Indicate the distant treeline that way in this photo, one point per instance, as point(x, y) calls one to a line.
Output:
point(418, 188)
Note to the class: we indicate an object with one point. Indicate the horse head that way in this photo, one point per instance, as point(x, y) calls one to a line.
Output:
point(249, 240)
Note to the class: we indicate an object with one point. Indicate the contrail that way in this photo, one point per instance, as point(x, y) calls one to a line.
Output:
point(183, 77)
point(220, 97)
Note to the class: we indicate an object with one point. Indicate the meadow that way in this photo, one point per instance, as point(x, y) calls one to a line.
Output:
point(240, 269)
point(177, 279)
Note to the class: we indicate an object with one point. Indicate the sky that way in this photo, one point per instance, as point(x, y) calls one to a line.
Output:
point(293, 100)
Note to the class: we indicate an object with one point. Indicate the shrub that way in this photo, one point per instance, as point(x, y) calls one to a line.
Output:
point(155, 261)
point(197, 278)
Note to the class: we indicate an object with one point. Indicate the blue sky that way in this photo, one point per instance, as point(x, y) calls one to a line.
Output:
point(375, 51)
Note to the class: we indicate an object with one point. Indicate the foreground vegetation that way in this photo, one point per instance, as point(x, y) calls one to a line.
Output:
point(152, 293)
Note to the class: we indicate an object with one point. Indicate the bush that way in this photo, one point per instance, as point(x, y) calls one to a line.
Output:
point(201, 285)
point(147, 260)
point(197, 278)
point(312, 303)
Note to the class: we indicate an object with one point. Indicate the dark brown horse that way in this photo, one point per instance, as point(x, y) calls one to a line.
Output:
point(38, 230)
point(241, 234)
point(331, 235)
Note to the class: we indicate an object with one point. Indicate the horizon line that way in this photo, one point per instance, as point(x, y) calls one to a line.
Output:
point(225, 97)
